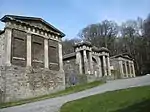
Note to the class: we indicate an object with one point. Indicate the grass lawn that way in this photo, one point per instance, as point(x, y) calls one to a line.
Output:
point(67, 91)
point(127, 100)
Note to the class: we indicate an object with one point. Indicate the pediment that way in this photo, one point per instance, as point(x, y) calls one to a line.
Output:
point(38, 22)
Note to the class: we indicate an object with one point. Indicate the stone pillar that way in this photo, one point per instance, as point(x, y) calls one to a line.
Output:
point(126, 69)
point(90, 62)
point(29, 52)
point(85, 62)
point(108, 66)
point(8, 36)
point(133, 69)
point(60, 56)
point(104, 66)
point(130, 66)
point(46, 60)
point(79, 61)
point(99, 67)
point(121, 68)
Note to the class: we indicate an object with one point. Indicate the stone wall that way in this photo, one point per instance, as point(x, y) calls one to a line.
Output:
point(2, 48)
point(72, 76)
point(2, 78)
point(2, 85)
point(20, 83)
point(116, 74)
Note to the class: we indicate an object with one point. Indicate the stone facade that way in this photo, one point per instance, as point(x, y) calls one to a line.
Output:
point(30, 58)
point(88, 60)
point(124, 65)
point(96, 63)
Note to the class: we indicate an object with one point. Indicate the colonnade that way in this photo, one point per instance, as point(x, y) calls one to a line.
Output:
point(127, 68)
point(84, 60)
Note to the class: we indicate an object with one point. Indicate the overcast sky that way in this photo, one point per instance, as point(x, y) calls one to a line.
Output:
point(71, 16)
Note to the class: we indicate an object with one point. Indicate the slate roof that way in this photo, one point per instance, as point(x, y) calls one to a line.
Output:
point(8, 17)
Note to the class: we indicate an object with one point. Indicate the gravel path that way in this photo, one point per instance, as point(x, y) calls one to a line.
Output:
point(54, 104)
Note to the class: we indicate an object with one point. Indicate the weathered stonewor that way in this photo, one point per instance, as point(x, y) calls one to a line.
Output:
point(96, 64)
point(123, 65)
point(89, 62)
point(30, 58)
point(19, 83)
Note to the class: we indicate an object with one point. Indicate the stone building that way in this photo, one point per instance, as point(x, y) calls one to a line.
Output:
point(124, 65)
point(30, 58)
point(97, 63)
point(88, 59)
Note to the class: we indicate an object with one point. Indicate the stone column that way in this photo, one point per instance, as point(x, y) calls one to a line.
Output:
point(29, 52)
point(90, 62)
point(133, 69)
point(46, 60)
point(104, 66)
point(79, 61)
point(8, 36)
point(85, 62)
point(126, 69)
point(130, 65)
point(60, 56)
point(108, 66)
point(99, 67)
point(121, 68)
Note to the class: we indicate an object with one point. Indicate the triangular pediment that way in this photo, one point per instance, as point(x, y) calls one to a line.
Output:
point(124, 55)
point(38, 22)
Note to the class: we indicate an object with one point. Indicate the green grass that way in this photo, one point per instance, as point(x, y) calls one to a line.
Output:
point(127, 100)
point(67, 91)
